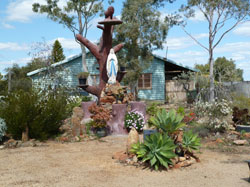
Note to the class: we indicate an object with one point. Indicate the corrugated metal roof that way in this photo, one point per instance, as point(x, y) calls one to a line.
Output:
point(67, 60)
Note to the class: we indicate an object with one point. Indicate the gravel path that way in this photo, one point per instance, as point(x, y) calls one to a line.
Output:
point(91, 164)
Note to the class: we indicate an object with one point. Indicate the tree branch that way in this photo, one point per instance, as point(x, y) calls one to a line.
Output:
point(238, 22)
point(92, 47)
point(118, 47)
point(194, 39)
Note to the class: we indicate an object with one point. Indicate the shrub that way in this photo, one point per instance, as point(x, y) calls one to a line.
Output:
point(134, 119)
point(217, 112)
point(190, 141)
point(39, 114)
point(100, 115)
point(157, 149)
point(241, 102)
point(168, 122)
point(2, 128)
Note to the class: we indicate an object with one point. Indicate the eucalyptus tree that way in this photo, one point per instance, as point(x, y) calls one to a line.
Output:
point(76, 15)
point(142, 32)
point(222, 17)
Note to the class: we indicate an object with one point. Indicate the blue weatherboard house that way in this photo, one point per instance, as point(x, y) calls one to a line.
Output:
point(152, 83)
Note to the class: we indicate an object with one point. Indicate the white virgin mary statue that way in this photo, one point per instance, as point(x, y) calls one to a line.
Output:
point(112, 67)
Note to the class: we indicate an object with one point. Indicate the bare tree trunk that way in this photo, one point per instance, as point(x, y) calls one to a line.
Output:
point(25, 134)
point(211, 58)
point(211, 77)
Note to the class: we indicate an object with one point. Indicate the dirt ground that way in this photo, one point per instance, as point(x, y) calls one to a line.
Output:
point(91, 164)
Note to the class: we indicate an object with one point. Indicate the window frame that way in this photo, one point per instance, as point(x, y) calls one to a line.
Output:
point(142, 77)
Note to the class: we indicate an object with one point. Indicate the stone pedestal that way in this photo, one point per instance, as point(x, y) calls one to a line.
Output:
point(116, 123)
point(139, 107)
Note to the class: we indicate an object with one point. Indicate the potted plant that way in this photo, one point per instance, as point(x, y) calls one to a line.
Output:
point(122, 68)
point(82, 77)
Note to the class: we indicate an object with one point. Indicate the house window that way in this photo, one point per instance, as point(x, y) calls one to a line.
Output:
point(145, 81)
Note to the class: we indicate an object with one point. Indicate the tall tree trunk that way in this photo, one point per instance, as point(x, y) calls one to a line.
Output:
point(25, 134)
point(211, 58)
point(211, 76)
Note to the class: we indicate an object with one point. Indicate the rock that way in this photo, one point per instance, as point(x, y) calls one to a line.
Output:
point(135, 159)
point(133, 137)
point(240, 142)
point(218, 140)
point(78, 112)
point(181, 159)
point(174, 160)
point(2, 146)
point(77, 139)
point(121, 156)
point(247, 135)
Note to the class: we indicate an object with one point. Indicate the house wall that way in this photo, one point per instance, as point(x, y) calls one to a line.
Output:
point(65, 74)
point(157, 68)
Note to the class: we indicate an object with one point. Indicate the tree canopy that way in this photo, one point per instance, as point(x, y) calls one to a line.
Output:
point(224, 70)
point(142, 31)
point(76, 15)
point(222, 16)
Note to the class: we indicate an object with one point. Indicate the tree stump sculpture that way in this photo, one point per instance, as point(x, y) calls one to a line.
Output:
point(101, 52)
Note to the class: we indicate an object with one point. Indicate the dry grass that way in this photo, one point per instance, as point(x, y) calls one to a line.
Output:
point(90, 164)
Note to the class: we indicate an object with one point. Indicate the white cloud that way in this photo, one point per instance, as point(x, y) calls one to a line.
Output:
point(67, 43)
point(21, 10)
point(7, 26)
point(233, 47)
point(243, 29)
point(176, 43)
point(13, 46)
point(7, 64)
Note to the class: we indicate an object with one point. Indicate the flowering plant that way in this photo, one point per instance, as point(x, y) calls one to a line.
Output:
point(217, 112)
point(188, 119)
point(134, 119)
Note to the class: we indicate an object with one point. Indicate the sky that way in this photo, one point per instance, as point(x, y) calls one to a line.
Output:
point(21, 28)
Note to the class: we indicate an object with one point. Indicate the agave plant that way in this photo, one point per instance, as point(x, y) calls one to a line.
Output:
point(168, 122)
point(190, 141)
point(157, 149)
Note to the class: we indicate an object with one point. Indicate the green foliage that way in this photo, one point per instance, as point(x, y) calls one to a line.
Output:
point(57, 52)
point(86, 98)
point(181, 111)
point(83, 75)
point(75, 15)
point(152, 109)
point(157, 149)
point(41, 112)
point(168, 122)
point(241, 101)
point(3, 128)
point(190, 141)
point(142, 32)
point(231, 14)
point(134, 120)
point(224, 70)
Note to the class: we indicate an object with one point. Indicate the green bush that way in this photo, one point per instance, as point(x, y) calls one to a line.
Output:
point(157, 149)
point(168, 122)
point(241, 101)
point(42, 113)
point(190, 141)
